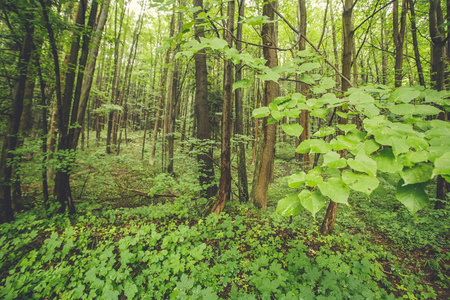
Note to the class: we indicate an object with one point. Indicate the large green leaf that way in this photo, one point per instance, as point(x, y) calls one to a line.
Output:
point(324, 131)
point(369, 110)
point(312, 201)
point(314, 146)
point(346, 127)
point(363, 163)
point(261, 112)
point(442, 165)
point(412, 196)
point(410, 109)
point(387, 162)
point(360, 98)
point(242, 84)
point(314, 177)
point(404, 95)
point(336, 190)
point(297, 180)
point(360, 182)
point(289, 205)
point(293, 129)
point(334, 160)
point(417, 174)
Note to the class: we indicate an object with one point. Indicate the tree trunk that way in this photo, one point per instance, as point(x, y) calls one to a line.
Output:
point(162, 96)
point(415, 43)
point(242, 168)
point(223, 194)
point(399, 36)
point(271, 91)
point(437, 35)
point(10, 139)
point(347, 25)
point(90, 69)
point(205, 163)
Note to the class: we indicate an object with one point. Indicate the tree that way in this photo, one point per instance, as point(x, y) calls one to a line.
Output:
point(204, 159)
point(348, 29)
point(10, 139)
point(399, 36)
point(271, 91)
point(223, 194)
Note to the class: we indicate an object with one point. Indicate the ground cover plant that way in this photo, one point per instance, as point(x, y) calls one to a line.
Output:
point(139, 246)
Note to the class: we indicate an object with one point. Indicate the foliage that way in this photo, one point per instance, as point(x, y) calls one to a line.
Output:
point(156, 252)
point(394, 138)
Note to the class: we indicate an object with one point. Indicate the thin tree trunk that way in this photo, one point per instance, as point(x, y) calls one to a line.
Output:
point(223, 194)
point(242, 168)
point(399, 36)
point(162, 96)
point(347, 25)
point(90, 69)
point(271, 91)
point(415, 43)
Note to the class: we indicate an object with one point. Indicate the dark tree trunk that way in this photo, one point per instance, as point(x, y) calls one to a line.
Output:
point(399, 36)
point(438, 45)
point(223, 194)
point(10, 139)
point(205, 162)
point(415, 43)
point(242, 169)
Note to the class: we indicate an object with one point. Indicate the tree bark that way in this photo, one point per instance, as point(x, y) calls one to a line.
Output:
point(90, 69)
point(438, 45)
point(10, 139)
point(399, 36)
point(223, 194)
point(415, 43)
point(347, 25)
point(242, 168)
point(271, 91)
point(205, 163)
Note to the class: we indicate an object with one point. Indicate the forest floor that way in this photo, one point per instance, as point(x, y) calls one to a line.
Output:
point(142, 234)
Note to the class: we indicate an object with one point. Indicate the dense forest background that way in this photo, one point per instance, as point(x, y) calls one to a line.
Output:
point(224, 149)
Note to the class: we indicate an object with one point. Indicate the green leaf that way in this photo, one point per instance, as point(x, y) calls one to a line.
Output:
point(336, 190)
point(306, 67)
point(289, 205)
point(297, 180)
point(312, 201)
point(346, 127)
point(412, 196)
point(130, 289)
point(314, 146)
point(269, 75)
point(261, 112)
point(416, 174)
point(334, 160)
point(324, 131)
point(399, 146)
point(360, 98)
point(387, 162)
point(410, 109)
point(363, 163)
point(442, 165)
point(320, 113)
point(360, 182)
point(404, 95)
point(293, 129)
point(369, 110)
point(244, 83)
point(217, 43)
point(277, 115)
point(314, 177)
